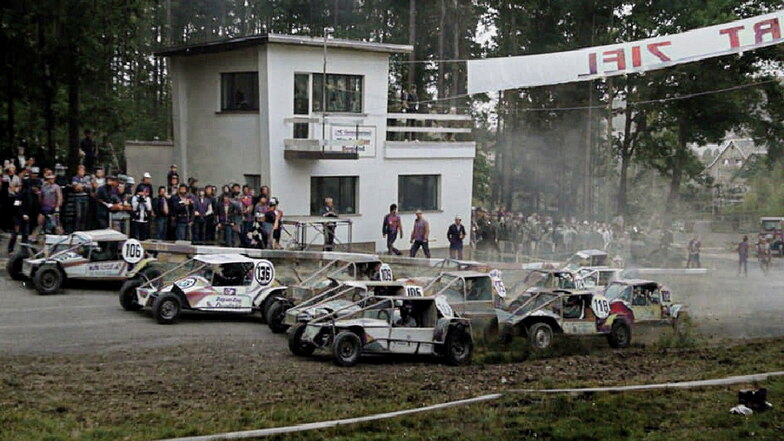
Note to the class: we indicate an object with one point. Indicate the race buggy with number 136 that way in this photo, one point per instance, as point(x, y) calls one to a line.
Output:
point(213, 283)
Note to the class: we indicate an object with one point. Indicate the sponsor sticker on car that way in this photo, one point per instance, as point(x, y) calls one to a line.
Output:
point(186, 283)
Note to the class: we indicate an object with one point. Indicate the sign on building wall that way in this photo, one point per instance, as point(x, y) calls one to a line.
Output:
point(361, 138)
point(495, 74)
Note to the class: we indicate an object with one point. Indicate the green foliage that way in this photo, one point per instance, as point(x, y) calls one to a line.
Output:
point(766, 194)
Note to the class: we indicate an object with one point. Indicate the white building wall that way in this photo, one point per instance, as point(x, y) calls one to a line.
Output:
point(223, 147)
point(216, 148)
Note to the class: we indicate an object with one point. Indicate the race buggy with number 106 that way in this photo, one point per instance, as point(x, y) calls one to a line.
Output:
point(90, 255)
point(212, 283)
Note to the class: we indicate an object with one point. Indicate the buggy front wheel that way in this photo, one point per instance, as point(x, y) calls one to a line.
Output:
point(346, 349)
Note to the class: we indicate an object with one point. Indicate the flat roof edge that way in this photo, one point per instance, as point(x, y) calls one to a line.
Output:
point(301, 40)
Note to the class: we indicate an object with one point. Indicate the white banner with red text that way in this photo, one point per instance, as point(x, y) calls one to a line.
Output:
point(495, 74)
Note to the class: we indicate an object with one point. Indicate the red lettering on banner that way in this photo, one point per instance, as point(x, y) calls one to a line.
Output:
point(733, 34)
point(653, 48)
point(767, 27)
point(592, 65)
point(616, 56)
point(636, 56)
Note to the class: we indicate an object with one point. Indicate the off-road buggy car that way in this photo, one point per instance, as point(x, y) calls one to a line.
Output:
point(388, 325)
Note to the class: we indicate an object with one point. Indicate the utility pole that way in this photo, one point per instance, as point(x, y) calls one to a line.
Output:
point(168, 23)
point(324, 96)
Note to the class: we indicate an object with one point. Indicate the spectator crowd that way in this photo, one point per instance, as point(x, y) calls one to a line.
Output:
point(36, 199)
point(505, 232)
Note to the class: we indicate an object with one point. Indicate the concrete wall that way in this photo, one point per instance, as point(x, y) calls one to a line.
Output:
point(149, 156)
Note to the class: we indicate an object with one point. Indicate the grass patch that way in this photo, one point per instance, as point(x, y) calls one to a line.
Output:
point(208, 389)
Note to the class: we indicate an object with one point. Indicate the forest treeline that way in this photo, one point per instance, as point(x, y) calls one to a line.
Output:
point(70, 65)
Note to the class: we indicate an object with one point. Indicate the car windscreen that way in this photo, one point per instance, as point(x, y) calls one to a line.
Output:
point(618, 291)
point(535, 303)
point(449, 286)
point(770, 225)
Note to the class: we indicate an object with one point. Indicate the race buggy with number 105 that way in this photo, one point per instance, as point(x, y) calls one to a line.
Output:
point(212, 283)
point(389, 325)
point(105, 255)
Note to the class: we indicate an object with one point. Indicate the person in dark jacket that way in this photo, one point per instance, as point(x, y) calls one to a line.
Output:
point(455, 235)
point(229, 215)
point(160, 209)
point(181, 208)
point(20, 210)
point(105, 200)
point(202, 207)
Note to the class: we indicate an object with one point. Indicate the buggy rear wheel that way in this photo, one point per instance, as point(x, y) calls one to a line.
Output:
point(14, 266)
point(128, 294)
point(275, 316)
point(296, 345)
point(620, 336)
point(48, 279)
point(459, 347)
point(346, 349)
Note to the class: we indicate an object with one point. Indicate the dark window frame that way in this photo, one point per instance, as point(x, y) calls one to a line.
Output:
point(334, 90)
point(319, 191)
point(424, 199)
point(228, 80)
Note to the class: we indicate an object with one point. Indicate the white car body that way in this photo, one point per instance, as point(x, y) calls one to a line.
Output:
point(198, 292)
point(76, 260)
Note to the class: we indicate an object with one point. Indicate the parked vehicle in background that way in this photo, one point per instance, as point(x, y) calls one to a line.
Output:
point(588, 259)
point(772, 230)
point(90, 255)
point(388, 325)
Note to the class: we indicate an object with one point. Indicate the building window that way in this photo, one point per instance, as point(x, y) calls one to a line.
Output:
point(342, 190)
point(301, 104)
point(418, 192)
point(253, 181)
point(240, 91)
point(344, 93)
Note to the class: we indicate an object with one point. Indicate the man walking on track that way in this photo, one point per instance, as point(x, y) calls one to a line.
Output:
point(391, 228)
point(420, 235)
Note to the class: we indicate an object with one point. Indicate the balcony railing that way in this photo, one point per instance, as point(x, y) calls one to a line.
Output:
point(429, 135)
point(408, 135)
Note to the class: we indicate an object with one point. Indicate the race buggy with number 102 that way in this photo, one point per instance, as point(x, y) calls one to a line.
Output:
point(390, 325)
point(105, 255)
point(212, 283)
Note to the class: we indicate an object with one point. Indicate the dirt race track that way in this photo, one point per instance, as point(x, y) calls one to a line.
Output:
point(79, 353)
point(89, 320)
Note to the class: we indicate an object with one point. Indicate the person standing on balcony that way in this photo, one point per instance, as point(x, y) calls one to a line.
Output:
point(391, 228)
point(413, 107)
point(329, 227)
point(420, 235)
